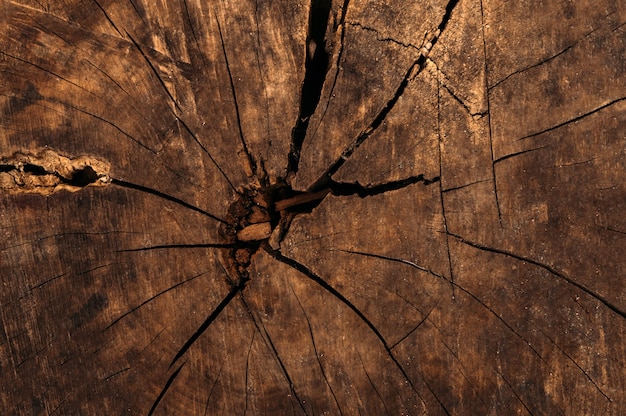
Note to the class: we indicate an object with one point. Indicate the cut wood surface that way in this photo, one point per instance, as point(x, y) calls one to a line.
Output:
point(289, 207)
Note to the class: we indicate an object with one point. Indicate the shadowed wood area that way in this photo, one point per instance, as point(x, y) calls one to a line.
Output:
point(326, 207)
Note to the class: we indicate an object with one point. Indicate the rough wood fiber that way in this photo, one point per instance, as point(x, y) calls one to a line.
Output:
point(286, 207)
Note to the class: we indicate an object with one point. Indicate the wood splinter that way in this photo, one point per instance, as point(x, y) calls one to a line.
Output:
point(255, 232)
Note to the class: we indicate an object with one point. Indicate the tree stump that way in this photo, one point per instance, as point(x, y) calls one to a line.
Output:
point(312, 208)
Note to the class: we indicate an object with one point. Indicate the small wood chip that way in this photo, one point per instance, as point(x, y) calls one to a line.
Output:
point(255, 232)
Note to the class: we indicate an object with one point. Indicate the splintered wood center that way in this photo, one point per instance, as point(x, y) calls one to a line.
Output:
point(258, 213)
point(262, 216)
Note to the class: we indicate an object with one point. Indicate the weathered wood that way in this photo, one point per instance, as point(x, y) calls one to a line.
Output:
point(312, 208)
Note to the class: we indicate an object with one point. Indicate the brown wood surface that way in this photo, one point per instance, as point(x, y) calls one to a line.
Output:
point(283, 207)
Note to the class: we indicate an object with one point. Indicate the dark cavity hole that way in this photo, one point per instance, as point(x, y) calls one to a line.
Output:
point(6, 168)
point(35, 170)
point(83, 177)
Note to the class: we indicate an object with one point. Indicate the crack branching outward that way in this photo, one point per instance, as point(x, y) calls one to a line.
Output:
point(414, 70)
point(334, 292)
point(316, 67)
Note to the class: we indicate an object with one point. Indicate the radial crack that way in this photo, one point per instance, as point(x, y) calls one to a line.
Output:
point(209, 320)
point(316, 67)
point(151, 299)
point(489, 127)
point(108, 17)
point(154, 70)
point(500, 159)
point(372, 384)
point(569, 357)
point(170, 246)
point(268, 341)
point(414, 70)
point(165, 388)
point(208, 400)
point(160, 194)
point(317, 355)
point(195, 138)
point(341, 24)
point(251, 167)
point(513, 391)
point(346, 189)
point(575, 119)
point(547, 268)
point(334, 292)
point(409, 263)
point(115, 126)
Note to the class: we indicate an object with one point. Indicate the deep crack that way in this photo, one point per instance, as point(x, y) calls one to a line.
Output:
point(316, 67)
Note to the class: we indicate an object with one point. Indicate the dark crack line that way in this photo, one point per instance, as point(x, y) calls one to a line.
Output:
point(108, 17)
point(334, 292)
point(547, 268)
point(117, 373)
point(154, 338)
point(379, 36)
point(175, 246)
point(54, 74)
point(208, 400)
point(414, 70)
point(170, 198)
point(409, 263)
point(347, 189)
point(552, 57)
point(575, 119)
point(489, 125)
point(510, 386)
point(467, 185)
point(165, 388)
point(317, 356)
point(60, 405)
point(447, 15)
point(250, 159)
point(93, 269)
point(137, 11)
point(612, 230)
point(193, 33)
point(247, 382)
point(462, 368)
point(270, 344)
point(569, 357)
point(195, 138)
point(316, 68)
point(380, 256)
point(365, 134)
point(441, 190)
point(415, 328)
point(142, 115)
point(500, 159)
point(145, 302)
point(115, 126)
point(342, 24)
point(372, 384)
point(262, 78)
point(209, 320)
point(154, 70)
point(453, 94)
point(45, 282)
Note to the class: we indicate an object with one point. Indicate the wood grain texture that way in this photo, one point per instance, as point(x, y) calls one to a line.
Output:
point(318, 207)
